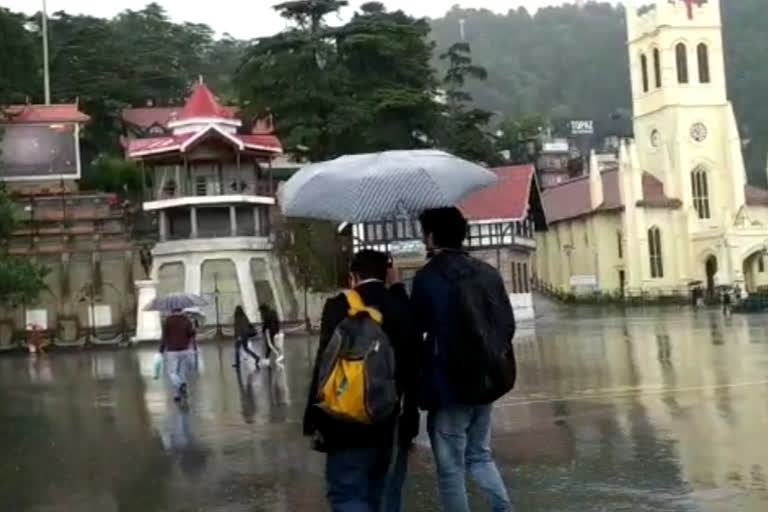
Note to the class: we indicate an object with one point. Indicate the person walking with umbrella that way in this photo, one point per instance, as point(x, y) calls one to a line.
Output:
point(178, 337)
point(177, 346)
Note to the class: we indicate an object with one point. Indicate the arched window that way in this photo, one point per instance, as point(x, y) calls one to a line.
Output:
point(657, 66)
point(681, 56)
point(702, 51)
point(654, 250)
point(644, 68)
point(700, 190)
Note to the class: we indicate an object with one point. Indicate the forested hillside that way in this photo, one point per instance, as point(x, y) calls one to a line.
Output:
point(561, 63)
point(569, 62)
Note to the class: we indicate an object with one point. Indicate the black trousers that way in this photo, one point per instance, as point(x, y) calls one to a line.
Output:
point(242, 343)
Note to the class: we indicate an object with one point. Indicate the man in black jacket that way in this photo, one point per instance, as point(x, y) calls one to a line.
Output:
point(460, 433)
point(358, 456)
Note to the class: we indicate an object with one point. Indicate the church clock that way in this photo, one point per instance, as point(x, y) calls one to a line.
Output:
point(699, 132)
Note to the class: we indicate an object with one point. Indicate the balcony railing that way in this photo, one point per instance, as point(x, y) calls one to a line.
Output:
point(172, 190)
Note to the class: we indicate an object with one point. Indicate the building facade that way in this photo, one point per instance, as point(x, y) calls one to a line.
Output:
point(502, 222)
point(210, 190)
point(83, 238)
point(677, 211)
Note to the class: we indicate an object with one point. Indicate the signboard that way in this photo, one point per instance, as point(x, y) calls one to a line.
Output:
point(584, 281)
point(37, 151)
point(582, 127)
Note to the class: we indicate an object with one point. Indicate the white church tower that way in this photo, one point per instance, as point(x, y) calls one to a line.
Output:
point(686, 133)
point(684, 124)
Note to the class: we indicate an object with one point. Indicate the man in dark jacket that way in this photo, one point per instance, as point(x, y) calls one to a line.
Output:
point(460, 434)
point(358, 456)
point(177, 345)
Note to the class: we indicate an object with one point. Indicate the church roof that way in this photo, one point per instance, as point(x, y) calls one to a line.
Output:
point(572, 199)
point(61, 113)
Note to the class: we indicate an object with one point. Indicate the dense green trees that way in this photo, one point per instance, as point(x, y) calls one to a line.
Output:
point(21, 279)
point(134, 59)
point(561, 63)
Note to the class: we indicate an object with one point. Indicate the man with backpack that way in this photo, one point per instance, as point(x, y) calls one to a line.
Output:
point(461, 305)
point(366, 367)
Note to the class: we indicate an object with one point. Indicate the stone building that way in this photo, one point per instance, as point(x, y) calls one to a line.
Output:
point(502, 222)
point(677, 211)
point(84, 238)
point(211, 194)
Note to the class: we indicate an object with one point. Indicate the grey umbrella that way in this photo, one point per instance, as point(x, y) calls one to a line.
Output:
point(176, 302)
point(380, 186)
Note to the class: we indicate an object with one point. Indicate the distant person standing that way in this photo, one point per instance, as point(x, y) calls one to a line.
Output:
point(178, 348)
point(273, 336)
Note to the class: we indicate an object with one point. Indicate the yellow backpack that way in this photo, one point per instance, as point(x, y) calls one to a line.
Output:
point(356, 372)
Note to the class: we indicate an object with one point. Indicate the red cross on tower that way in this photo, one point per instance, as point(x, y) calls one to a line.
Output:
point(689, 6)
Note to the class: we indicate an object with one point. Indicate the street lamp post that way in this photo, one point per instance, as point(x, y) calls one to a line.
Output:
point(46, 59)
point(216, 304)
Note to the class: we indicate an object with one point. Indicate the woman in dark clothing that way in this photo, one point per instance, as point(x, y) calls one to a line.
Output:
point(244, 331)
point(271, 331)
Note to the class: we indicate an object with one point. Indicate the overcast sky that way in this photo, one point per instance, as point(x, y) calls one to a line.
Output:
point(252, 18)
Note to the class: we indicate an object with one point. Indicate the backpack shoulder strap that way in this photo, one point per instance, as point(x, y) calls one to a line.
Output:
point(356, 305)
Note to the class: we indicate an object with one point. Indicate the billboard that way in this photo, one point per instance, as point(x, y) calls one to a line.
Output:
point(582, 127)
point(38, 151)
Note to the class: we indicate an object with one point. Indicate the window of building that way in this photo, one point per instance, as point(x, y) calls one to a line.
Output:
point(700, 190)
point(620, 245)
point(702, 51)
point(170, 188)
point(655, 251)
point(681, 56)
point(657, 67)
point(201, 186)
point(520, 279)
point(644, 70)
point(761, 264)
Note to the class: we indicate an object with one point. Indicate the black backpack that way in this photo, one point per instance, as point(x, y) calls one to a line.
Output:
point(480, 359)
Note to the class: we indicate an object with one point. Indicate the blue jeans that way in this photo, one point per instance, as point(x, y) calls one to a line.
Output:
point(178, 364)
point(461, 443)
point(356, 478)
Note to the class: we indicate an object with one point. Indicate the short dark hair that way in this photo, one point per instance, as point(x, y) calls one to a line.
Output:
point(369, 264)
point(447, 226)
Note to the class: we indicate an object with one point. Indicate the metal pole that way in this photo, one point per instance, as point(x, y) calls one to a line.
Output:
point(46, 63)
point(216, 303)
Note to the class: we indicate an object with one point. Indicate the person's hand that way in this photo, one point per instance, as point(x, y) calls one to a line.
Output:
point(318, 443)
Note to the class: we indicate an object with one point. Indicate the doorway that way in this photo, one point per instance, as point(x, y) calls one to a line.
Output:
point(711, 269)
point(622, 282)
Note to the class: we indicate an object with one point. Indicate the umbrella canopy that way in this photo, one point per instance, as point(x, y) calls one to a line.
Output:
point(194, 311)
point(176, 302)
point(380, 186)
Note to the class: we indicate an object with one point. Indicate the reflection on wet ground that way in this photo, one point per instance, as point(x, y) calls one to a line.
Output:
point(658, 410)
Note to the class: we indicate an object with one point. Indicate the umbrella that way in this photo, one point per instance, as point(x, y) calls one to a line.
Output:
point(176, 302)
point(194, 311)
point(379, 186)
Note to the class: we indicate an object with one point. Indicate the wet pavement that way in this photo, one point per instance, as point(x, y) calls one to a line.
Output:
point(658, 410)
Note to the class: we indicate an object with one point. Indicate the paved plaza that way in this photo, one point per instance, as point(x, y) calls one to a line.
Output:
point(659, 410)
